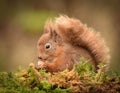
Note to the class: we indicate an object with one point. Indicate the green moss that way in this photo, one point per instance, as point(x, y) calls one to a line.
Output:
point(81, 79)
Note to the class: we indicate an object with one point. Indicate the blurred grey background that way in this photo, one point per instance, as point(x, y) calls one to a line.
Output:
point(22, 22)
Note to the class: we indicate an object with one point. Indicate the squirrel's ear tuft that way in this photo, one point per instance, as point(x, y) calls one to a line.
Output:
point(48, 26)
point(56, 38)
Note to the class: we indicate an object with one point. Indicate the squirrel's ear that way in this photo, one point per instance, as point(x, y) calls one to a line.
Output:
point(56, 38)
point(48, 26)
point(47, 30)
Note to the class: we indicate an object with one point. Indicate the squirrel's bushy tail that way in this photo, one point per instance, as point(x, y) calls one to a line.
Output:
point(74, 32)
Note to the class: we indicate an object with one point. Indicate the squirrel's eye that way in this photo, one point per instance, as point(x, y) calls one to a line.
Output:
point(47, 46)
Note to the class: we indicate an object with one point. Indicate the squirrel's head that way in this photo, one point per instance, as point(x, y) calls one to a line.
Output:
point(49, 44)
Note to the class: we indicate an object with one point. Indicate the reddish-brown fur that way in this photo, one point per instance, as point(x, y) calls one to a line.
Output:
point(69, 40)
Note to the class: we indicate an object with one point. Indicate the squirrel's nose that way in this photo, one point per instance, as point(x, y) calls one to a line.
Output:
point(40, 57)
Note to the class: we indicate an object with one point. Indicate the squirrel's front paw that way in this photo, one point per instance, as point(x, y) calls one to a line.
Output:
point(41, 65)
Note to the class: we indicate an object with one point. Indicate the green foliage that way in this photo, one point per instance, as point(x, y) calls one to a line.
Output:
point(82, 79)
point(85, 68)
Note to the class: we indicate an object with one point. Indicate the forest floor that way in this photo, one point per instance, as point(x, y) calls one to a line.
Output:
point(81, 79)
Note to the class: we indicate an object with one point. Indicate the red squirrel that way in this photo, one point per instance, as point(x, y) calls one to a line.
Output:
point(65, 40)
